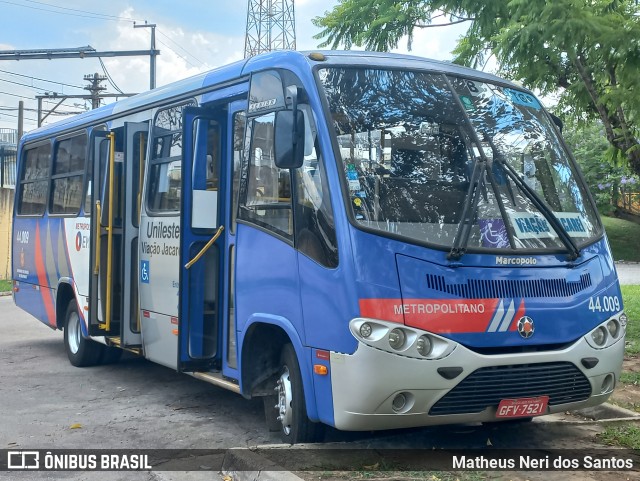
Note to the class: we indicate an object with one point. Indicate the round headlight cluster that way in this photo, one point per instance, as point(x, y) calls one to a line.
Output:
point(397, 338)
point(366, 330)
point(424, 346)
point(613, 327)
point(599, 336)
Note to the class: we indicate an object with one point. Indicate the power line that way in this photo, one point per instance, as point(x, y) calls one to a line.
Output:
point(116, 17)
point(179, 46)
point(19, 83)
point(94, 16)
point(41, 79)
point(106, 73)
point(4, 108)
point(16, 95)
point(11, 115)
point(183, 58)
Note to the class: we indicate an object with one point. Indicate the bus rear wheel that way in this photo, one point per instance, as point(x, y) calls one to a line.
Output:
point(295, 425)
point(80, 351)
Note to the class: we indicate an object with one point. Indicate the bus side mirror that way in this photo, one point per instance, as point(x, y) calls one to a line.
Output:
point(289, 139)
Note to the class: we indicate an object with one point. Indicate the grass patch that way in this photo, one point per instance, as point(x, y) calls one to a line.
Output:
point(630, 378)
point(5, 285)
point(625, 436)
point(631, 299)
point(623, 237)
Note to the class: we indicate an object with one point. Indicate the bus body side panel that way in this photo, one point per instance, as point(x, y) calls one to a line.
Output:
point(41, 256)
point(158, 277)
point(268, 290)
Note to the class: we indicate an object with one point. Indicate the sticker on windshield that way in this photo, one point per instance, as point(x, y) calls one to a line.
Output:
point(533, 226)
point(522, 98)
point(467, 102)
point(477, 89)
point(493, 233)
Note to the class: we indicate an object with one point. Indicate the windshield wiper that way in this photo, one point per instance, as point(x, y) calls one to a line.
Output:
point(468, 210)
point(532, 195)
point(472, 200)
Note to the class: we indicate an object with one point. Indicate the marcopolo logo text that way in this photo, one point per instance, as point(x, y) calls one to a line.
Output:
point(516, 261)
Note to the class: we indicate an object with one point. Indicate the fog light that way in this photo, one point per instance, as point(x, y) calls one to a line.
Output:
point(399, 402)
point(397, 338)
point(613, 328)
point(599, 336)
point(423, 346)
point(365, 330)
point(607, 384)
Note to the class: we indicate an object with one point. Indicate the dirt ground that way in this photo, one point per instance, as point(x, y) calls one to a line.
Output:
point(628, 395)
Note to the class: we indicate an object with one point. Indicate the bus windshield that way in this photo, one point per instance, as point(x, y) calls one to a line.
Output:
point(425, 154)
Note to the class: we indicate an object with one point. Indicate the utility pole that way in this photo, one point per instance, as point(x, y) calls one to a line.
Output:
point(270, 26)
point(152, 52)
point(20, 120)
point(95, 88)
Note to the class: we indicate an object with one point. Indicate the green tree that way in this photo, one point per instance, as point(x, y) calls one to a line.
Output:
point(591, 151)
point(589, 50)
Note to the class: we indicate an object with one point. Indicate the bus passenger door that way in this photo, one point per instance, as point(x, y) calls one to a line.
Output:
point(134, 155)
point(118, 162)
point(202, 241)
point(103, 158)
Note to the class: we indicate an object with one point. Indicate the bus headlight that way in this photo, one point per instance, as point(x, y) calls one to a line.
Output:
point(423, 346)
point(599, 336)
point(365, 330)
point(397, 338)
point(613, 327)
point(403, 341)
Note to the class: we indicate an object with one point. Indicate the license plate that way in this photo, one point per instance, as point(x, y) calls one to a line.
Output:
point(523, 407)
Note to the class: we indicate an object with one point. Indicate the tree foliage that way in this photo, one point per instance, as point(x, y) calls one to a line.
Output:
point(589, 50)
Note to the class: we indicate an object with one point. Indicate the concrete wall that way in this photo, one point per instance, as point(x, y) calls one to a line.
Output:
point(6, 210)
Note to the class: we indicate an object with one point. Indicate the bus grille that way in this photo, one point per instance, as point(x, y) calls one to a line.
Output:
point(563, 382)
point(509, 288)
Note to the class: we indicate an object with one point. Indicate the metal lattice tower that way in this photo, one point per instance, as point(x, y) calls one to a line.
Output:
point(270, 26)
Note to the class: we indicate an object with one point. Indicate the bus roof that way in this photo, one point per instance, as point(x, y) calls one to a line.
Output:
point(276, 59)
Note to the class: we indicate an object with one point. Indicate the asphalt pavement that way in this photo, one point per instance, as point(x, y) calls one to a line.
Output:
point(628, 272)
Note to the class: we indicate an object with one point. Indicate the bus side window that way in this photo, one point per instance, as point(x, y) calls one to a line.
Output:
point(68, 175)
point(315, 227)
point(267, 200)
point(164, 179)
point(34, 180)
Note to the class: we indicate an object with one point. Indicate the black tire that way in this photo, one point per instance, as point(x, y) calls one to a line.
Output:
point(81, 352)
point(295, 425)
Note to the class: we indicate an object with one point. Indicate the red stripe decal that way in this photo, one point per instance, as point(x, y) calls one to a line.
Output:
point(383, 309)
point(441, 316)
point(45, 292)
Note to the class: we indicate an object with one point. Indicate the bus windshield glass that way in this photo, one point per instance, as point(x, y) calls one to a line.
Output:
point(425, 154)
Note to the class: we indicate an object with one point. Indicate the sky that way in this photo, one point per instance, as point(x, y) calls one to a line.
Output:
point(192, 35)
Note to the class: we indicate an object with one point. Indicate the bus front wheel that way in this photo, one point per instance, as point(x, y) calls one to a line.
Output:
point(81, 352)
point(296, 427)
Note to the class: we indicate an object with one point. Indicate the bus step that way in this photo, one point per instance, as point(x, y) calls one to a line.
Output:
point(117, 342)
point(217, 379)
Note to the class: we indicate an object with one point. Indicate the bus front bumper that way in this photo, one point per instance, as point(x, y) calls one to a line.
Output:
point(366, 383)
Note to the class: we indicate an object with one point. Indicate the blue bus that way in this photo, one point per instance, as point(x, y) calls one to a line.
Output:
point(366, 241)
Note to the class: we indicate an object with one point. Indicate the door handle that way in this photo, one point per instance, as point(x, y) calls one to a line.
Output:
point(205, 248)
point(98, 216)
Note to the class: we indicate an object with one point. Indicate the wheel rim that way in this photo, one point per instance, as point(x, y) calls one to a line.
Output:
point(284, 401)
point(74, 334)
